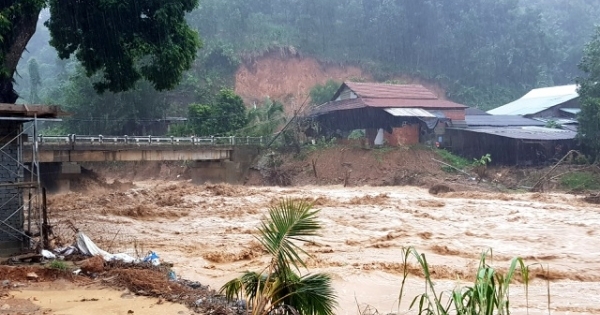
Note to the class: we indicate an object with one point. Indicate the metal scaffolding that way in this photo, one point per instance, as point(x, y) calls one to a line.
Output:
point(29, 207)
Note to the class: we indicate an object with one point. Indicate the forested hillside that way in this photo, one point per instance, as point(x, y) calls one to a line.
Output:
point(484, 53)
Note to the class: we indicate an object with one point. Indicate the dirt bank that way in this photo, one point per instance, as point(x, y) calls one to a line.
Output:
point(289, 78)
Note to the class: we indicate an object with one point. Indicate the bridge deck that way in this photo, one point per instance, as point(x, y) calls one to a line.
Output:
point(102, 149)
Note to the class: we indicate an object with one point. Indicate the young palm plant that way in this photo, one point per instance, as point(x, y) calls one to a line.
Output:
point(279, 286)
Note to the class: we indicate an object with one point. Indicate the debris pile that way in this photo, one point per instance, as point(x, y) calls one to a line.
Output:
point(146, 276)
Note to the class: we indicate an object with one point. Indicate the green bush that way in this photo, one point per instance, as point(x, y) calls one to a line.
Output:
point(580, 180)
point(454, 160)
point(59, 265)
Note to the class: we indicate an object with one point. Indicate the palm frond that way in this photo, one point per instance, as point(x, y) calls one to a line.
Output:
point(290, 220)
point(250, 284)
point(313, 295)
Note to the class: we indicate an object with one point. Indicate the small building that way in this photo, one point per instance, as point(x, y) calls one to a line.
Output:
point(509, 139)
point(521, 146)
point(549, 103)
point(400, 114)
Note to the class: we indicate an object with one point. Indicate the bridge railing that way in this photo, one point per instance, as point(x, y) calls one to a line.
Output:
point(74, 140)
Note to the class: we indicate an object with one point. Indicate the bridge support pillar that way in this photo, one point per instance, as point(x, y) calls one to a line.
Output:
point(231, 171)
point(62, 186)
point(210, 172)
point(56, 177)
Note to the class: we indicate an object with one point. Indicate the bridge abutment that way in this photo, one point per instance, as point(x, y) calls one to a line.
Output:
point(233, 171)
point(57, 177)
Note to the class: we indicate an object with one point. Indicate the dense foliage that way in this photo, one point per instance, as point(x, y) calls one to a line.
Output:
point(226, 115)
point(119, 41)
point(133, 112)
point(589, 89)
point(484, 52)
point(322, 93)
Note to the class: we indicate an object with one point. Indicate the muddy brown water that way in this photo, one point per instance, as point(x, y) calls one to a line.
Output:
point(207, 233)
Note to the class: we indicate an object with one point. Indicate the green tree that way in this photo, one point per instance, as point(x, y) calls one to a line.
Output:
point(34, 80)
point(265, 119)
point(322, 93)
point(132, 112)
point(200, 119)
point(121, 41)
point(278, 285)
point(226, 116)
point(589, 91)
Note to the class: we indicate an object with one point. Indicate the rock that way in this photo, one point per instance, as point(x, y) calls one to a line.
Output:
point(32, 276)
point(130, 312)
point(6, 283)
point(5, 307)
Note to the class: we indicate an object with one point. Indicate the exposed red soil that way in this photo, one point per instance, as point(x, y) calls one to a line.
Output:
point(289, 78)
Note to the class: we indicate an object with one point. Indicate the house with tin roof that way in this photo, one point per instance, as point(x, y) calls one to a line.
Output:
point(550, 102)
point(399, 114)
point(516, 133)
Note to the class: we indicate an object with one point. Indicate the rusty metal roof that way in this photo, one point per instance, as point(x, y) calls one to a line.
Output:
point(356, 103)
point(414, 103)
point(338, 105)
point(383, 90)
point(379, 95)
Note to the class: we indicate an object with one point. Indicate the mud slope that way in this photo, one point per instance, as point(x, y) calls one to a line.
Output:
point(290, 78)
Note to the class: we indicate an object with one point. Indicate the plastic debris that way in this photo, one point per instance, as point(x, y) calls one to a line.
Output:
point(87, 247)
point(152, 258)
point(48, 254)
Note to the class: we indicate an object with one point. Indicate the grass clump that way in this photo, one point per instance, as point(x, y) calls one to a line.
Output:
point(58, 265)
point(454, 160)
point(488, 295)
point(580, 181)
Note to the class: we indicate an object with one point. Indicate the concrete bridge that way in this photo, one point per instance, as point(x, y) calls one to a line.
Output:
point(214, 159)
point(75, 148)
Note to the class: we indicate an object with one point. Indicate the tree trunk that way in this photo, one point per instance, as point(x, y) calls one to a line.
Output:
point(23, 28)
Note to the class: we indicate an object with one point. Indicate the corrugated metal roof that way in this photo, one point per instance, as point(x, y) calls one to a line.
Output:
point(356, 103)
point(338, 105)
point(527, 133)
point(500, 121)
point(409, 112)
point(472, 111)
point(560, 121)
point(383, 90)
point(538, 100)
point(572, 111)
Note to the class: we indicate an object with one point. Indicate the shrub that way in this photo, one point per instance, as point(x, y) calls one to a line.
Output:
point(580, 181)
point(454, 160)
point(59, 265)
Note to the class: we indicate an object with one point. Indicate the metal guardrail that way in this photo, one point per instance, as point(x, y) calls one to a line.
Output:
point(74, 140)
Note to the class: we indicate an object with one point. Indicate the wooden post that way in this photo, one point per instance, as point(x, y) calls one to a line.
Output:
point(45, 225)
